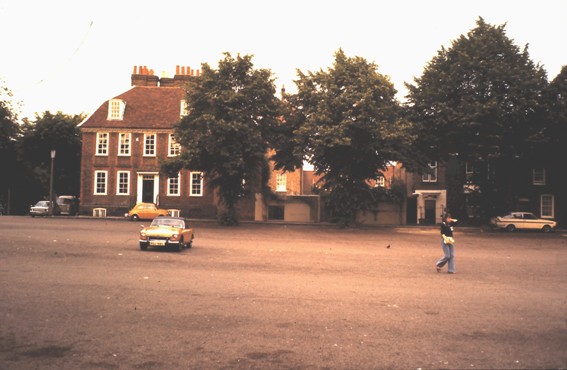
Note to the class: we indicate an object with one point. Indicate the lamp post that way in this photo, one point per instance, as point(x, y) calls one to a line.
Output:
point(51, 184)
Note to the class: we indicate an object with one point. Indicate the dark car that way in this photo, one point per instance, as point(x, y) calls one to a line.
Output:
point(68, 205)
point(41, 208)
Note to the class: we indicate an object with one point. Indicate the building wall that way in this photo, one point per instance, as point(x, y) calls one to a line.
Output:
point(190, 206)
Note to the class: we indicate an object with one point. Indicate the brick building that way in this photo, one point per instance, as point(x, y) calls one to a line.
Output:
point(125, 140)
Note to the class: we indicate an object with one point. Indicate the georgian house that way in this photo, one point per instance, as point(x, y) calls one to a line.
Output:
point(126, 139)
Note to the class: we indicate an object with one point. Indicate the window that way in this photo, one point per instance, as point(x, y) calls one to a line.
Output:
point(196, 184)
point(102, 143)
point(100, 182)
point(431, 176)
point(116, 109)
point(538, 176)
point(123, 183)
point(547, 202)
point(380, 181)
point(124, 141)
point(183, 111)
point(174, 147)
point(149, 145)
point(281, 182)
point(173, 185)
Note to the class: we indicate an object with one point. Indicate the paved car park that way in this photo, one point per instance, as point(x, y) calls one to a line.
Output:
point(79, 293)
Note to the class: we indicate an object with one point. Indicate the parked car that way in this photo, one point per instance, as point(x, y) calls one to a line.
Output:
point(41, 208)
point(146, 211)
point(523, 221)
point(68, 204)
point(167, 232)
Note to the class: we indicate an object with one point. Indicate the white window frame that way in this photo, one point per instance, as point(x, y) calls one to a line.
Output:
point(116, 109)
point(544, 207)
point(177, 191)
point(380, 182)
point(124, 144)
point(104, 175)
point(150, 150)
point(432, 175)
point(538, 176)
point(281, 182)
point(196, 191)
point(183, 110)
point(174, 147)
point(120, 182)
point(102, 140)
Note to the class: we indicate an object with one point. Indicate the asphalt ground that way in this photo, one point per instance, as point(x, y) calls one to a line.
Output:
point(79, 294)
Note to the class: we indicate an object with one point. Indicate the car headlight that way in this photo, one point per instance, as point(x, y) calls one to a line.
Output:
point(143, 234)
point(175, 236)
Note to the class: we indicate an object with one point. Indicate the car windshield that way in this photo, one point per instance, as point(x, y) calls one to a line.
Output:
point(168, 222)
point(42, 203)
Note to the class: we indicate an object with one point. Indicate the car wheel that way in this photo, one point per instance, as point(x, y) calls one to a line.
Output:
point(190, 244)
point(135, 217)
point(510, 228)
point(143, 246)
point(546, 228)
point(179, 247)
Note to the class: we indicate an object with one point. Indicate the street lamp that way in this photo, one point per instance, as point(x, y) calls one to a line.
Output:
point(51, 184)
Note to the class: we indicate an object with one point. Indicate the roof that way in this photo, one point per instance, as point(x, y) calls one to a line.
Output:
point(146, 107)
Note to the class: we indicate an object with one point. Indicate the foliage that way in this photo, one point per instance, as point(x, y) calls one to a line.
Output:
point(57, 132)
point(9, 134)
point(555, 101)
point(477, 101)
point(226, 132)
point(345, 122)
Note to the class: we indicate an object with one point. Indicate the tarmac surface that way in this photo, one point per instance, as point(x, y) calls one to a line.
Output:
point(79, 294)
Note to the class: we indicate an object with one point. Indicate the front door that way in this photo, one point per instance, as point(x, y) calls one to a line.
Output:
point(430, 211)
point(148, 188)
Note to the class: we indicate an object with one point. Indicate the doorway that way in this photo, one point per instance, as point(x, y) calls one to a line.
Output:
point(430, 205)
point(148, 188)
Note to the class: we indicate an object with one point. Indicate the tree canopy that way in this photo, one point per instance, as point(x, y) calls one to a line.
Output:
point(476, 98)
point(345, 122)
point(225, 133)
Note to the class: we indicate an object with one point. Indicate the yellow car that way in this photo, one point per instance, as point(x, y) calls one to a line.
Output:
point(145, 211)
point(165, 232)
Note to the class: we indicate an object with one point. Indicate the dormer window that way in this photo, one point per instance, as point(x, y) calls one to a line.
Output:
point(116, 109)
point(183, 109)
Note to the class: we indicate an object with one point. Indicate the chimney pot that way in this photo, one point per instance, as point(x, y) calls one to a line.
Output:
point(176, 70)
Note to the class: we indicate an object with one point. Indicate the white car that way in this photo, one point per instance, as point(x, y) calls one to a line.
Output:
point(523, 221)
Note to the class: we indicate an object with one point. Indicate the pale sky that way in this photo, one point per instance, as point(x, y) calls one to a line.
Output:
point(72, 55)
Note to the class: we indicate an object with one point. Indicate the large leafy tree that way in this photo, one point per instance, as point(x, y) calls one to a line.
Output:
point(345, 122)
point(476, 102)
point(9, 134)
point(225, 133)
point(57, 132)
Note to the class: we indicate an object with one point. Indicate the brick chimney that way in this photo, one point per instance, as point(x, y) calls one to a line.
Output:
point(142, 76)
point(184, 74)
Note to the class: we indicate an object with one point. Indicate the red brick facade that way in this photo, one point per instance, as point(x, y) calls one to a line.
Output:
point(122, 152)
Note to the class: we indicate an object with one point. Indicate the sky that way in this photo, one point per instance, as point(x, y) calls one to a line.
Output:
point(73, 55)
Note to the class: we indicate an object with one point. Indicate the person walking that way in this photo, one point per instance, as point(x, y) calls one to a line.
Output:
point(448, 244)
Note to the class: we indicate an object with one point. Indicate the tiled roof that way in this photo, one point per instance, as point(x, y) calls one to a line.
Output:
point(146, 107)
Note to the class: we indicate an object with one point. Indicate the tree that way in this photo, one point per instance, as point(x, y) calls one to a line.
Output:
point(345, 122)
point(57, 132)
point(9, 134)
point(476, 102)
point(225, 133)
